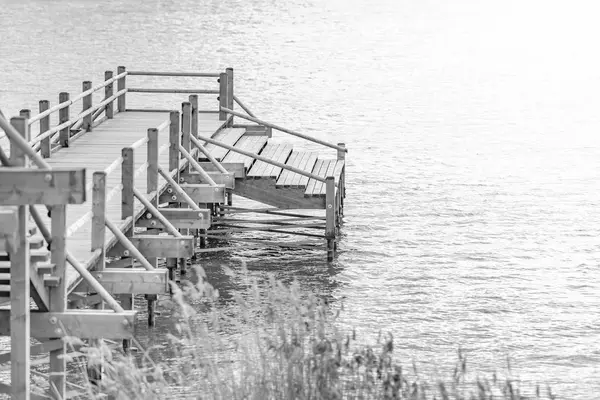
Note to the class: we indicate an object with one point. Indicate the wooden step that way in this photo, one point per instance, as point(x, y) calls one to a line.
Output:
point(323, 168)
point(36, 242)
point(4, 276)
point(51, 281)
point(36, 255)
point(272, 151)
point(304, 160)
point(44, 268)
point(253, 144)
point(227, 136)
point(5, 288)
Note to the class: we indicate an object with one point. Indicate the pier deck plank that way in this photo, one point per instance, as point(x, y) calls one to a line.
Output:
point(276, 152)
point(301, 160)
point(253, 144)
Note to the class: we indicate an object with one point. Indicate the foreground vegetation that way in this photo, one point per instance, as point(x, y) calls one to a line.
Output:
point(290, 349)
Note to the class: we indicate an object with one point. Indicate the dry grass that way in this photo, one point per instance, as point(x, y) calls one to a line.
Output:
point(275, 342)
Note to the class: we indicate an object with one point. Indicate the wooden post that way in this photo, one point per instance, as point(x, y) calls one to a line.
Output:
point(19, 286)
point(99, 216)
point(127, 180)
point(108, 92)
point(186, 127)
point(120, 86)
point(341, 155)
point(194, 102)
point(230, 102)
point(87, 104)
point(330, 216)
point(25, 113)
point(152, 157)
point(174, 140)
point(63, 116)
point(45, 126)
point(222, 96)
point(58, 297)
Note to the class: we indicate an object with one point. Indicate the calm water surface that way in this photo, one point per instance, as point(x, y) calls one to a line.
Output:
point(472, 213)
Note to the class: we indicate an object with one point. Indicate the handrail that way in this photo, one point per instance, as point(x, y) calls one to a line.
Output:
point(128, 245)
point(282, 129)
point(51, 132)
point(189, 74)
point(264, 159)
point(197, 166)
point(239, 102)
point(190, 91)
point(208, 155)
point(80, 96)
point(178, 189)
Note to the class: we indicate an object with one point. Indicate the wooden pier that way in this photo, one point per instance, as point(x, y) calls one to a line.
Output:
point(92, 206)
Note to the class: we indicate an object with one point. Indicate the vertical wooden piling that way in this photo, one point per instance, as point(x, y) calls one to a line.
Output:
point(45, 149)
point(222, 96)
point(98, 233)
point(87, 104)
point(127, 178)
point(174, 156)
point(120, 86)
point(194, 102)
point(152, 158)
point(341, 155)
point(25, 113)
point(108, 92)
point(19, 286)
point(63, 116)
point(58, 297)
point(230, 102)
point(186, 127)
point(330, 216)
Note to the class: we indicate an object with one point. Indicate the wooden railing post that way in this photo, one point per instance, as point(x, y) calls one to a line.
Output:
point(20, 285)
point(120, 86)
point(99, 216)
point(194, 102)
point(341, 155)
point(87, 104)
point(152, 157)
point(108, 92)
point(58, 296)
point(25, 113)
point(63, 116)
point(174, 140)
point(45, 148)
point(127, 180)
point(330, 216)
point(222, 96)
point(229, 72)
point(186, 127)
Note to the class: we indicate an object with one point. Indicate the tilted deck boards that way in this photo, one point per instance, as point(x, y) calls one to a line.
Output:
point(253, 144)
point(324, 168)
point(275, 152)
point(301, 160)
point(227, 136)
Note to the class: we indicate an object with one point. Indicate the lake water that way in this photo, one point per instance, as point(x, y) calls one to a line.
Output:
point(472, 216)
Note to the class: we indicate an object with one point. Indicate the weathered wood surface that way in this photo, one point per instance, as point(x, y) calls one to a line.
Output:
point(299, 159)
point(324, 168)
point(228, 136)
point(253, 144)
point(96, 151)
point(276, 152)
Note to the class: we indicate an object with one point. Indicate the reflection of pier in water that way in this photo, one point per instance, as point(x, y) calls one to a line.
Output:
point(141, 185)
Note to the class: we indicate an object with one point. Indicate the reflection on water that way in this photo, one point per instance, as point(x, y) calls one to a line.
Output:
point(472, 126)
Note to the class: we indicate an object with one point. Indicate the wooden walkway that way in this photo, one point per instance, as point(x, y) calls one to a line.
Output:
point(107, 178)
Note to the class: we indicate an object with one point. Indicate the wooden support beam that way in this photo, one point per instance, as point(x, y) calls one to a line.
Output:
point(45, 148)
point(63, 116)
point(84, 324)
point(18, 318)
point(228, 180)
point(152, 158)
point(164, 246)
point(194, 102)
point(200, 193)
point(230, 99)
point(186, 127)
point(99, 217)
point(130, 281)
point(120, 86)
point(108, 92)
point(22, 186)
point(58, 296)
point(174, 139)
point(180, 218)
point(330, 212)
point(87, 104)
point(238, 170)
point(127, 180)
point(222, 95)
